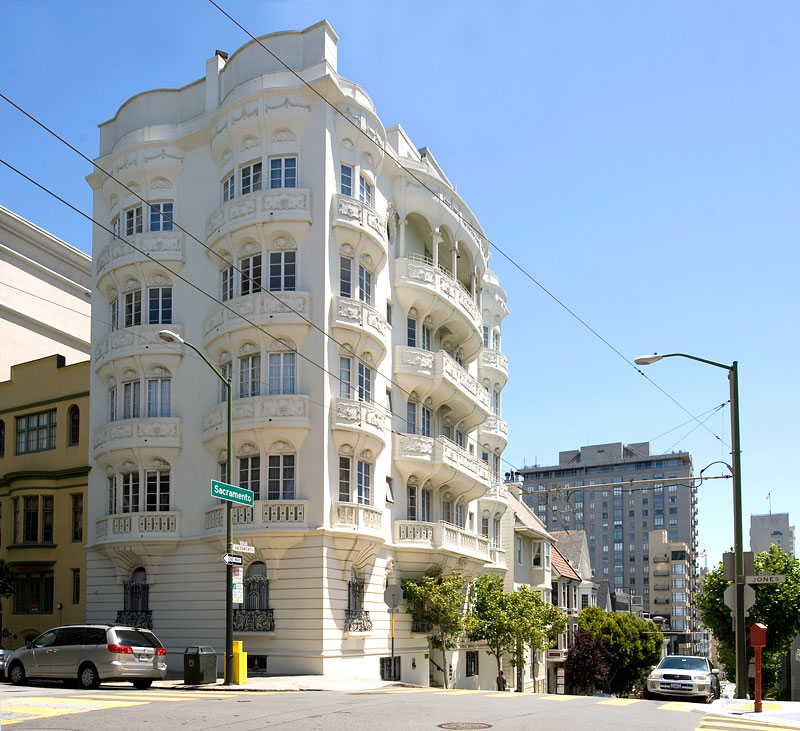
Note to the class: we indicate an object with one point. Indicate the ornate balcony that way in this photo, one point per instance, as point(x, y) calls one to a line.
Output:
point(161, 432)
point(441, 536)
point(495, 501)
point(497, 556)
point(442, 462)
point(440, 377)
point(351, 219)
point(168, 247)
point(132, 341)
point(357, 620)
point(285, 314)
point(357, 518)
point(138, 526)
point(360, 424)
point(419, 284)
point(142, 619)
point(360, 326)
point(290, 207)
point(493, 433)
point(253, 620)
point(264, 514)
point(494, 366)
point(290, 414)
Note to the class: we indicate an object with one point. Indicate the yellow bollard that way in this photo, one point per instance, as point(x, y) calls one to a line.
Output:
point(239, 664)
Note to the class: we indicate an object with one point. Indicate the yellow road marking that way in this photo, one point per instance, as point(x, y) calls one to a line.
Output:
point(456, 691)
point(551, 697)
point(748, 706)
point(674, 706)
point(500, 694)
point(736, 723)
point(75, 701)
point(136, 697)
point(39, 711)
point(619, 701)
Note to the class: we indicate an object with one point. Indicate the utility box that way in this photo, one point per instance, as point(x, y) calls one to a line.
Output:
point(199, 665)
point(758, 635)
point(239, 664)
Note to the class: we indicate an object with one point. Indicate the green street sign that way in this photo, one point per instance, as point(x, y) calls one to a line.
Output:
point(234, 494)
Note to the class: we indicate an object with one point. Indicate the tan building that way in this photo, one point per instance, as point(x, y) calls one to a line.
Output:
point(44, 449)
point(673, 585)
point(44, 294)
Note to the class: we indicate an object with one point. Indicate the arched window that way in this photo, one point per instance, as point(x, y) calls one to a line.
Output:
point(256, 586)
point(74, 425)
point(136, 612)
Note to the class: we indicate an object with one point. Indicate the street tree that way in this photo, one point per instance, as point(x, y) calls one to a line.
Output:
point(438, 600)
point(776, 605)
point(537, 624)
point(633, 645)
point(586, 667)
point(6, 580)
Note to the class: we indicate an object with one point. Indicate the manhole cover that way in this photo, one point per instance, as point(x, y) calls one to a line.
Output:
point(462, 726)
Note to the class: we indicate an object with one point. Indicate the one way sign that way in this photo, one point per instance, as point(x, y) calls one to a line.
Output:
point(233, 559)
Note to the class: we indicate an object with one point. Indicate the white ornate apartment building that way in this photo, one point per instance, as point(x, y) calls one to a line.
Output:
point(344, 285)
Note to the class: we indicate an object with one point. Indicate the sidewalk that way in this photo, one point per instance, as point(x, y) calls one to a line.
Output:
point(785, 712)
point(287, 683)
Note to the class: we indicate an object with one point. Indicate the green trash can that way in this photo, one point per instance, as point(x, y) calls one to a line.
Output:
point(199, 665)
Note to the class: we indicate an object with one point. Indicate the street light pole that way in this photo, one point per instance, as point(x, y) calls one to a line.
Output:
point(738, 539)
point(169, 337)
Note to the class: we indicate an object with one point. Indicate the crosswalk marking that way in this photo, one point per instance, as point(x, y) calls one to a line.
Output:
point(730, 723)
point(156, 698)
point(619, 701)
point(675, 706)
point(90, 703)
point(456, 691)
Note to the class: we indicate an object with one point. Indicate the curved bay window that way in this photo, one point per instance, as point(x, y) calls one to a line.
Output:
point(255, 614)
point(137, 612)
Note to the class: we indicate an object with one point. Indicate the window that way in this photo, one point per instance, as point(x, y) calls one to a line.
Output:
point(133, 221)
point(411, 332)
point(251, 178)
point(411, 502)
point(496, 403)
point(344, 480)
point(281, 373)
point(364, 483)
point(228, 191)
point(447, 511)
point(131, 400)
point(33, 594)
point(250, 475)
point(249, 376)
point(389, 490)
point(426, 337)
point(472, 662)
point(256, 587)
point(112, 404)
point(426, 419)
point(280, 477)
point(36, 432)
point(282, 271)
point(519, 550)
point(77, 517)
point(133, 308)
point(158, 396)
point(364, 285)
point(76, 586)
point(459, 515)
point(346, 179)
point(678, 596)
point(74, 417)
point(226, 284)
point(496, 532)
point(411, 417)
point(485, 336)
point(137, 594)
point(425, 506)
point(30, 520)
point(537, 554)
point(678, 569)
point(112, 495)
point(157, 491)
point(364, 191)
point(129, 487)
point(364, 383)
point(485, 527)
point(250, 274)
point(161, 216)
point(113, 314)
point(283, 172)
point(345, 276)
point(390, 668)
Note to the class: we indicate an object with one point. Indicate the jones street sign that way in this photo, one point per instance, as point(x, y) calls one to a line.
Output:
point(765, 579)
point(233, 559)
point(231, 493)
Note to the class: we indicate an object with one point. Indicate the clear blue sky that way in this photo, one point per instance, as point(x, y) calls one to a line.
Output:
point(640, 160)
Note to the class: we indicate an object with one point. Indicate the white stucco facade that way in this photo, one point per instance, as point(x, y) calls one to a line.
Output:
point(44, 295)
point(349, 301)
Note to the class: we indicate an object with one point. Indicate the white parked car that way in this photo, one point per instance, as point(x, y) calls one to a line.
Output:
point(683, 675)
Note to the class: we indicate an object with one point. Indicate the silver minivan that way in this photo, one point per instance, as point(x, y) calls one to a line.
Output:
point(90, 654)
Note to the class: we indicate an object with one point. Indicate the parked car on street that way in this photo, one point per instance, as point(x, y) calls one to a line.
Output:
point(683, 675)
point(4, 653)
point(90, 654)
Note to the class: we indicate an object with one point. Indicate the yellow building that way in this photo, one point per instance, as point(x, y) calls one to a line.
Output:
point(44, 457)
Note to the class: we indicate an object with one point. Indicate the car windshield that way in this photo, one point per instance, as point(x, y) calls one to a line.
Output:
point(683, 663)
point(136, 638)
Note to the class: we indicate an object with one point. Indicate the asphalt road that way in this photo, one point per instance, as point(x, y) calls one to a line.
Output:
point(121, 708)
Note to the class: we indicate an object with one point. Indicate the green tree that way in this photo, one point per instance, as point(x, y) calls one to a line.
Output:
point(509, 623)
point(438, 600)
point(6, 580)
point(633, 645)
point(587, 665)
point(776, 605)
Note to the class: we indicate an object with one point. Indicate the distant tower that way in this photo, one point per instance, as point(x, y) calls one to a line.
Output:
point(766, 530)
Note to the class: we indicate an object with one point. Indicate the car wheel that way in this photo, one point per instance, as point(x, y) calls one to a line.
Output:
point(142, 684)
point(16, 674)
point(88, 677)
point(647, 695)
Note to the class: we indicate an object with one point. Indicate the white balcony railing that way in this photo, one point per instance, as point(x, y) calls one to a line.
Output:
point(276, 514)
point(356, 517)
point(441, 536)
point(138, 525)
